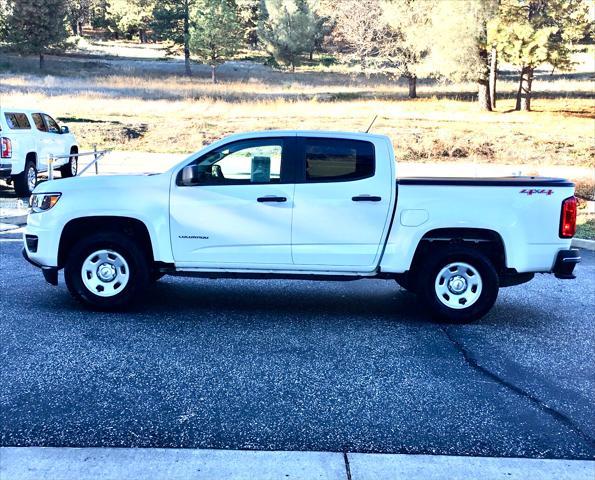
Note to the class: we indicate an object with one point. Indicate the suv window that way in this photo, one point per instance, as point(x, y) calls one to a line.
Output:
point(52, 124)
point(241, 163)
point(17, 121)
point(338, 160)
point(39, 123)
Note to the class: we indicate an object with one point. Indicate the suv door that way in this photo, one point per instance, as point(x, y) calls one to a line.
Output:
point(236, 209)
point(342, 203)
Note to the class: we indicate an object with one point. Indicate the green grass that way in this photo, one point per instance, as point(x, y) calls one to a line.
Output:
point(586, 230)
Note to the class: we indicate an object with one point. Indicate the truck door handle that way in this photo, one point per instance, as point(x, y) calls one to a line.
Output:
point(271, 198)
point(366, 198)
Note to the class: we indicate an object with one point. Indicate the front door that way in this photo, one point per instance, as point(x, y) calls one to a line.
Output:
point(235, 209)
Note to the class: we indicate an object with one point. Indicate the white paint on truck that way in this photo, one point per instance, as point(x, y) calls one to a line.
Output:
point(304, 204)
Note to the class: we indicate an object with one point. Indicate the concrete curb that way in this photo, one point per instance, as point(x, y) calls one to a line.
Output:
point(583, 243)
point(39, 463)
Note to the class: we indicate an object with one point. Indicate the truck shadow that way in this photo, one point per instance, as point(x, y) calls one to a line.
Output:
point(363, 298)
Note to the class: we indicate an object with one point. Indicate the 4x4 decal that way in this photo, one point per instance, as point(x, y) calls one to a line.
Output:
point(536, 191)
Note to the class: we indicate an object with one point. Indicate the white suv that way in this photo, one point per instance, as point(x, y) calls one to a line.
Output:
point(27, 139)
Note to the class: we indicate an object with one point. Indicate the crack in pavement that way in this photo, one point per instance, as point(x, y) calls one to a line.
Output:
point(555, 414)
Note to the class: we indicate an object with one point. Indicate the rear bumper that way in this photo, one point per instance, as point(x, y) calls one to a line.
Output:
point(566, 260)
point(5, 170)
point(49, 273)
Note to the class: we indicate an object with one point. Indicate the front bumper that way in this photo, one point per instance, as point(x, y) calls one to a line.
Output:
point(566, 260)
point(49, 273)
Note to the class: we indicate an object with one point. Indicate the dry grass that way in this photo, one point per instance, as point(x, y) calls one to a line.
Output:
point(144, 105)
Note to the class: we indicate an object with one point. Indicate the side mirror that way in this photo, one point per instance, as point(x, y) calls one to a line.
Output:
point(190, 175)
point(64, 129)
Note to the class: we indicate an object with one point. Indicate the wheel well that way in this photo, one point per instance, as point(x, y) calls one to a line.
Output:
point(74, 149)
point(487, 241)
point(31, 156)
point(80, 227)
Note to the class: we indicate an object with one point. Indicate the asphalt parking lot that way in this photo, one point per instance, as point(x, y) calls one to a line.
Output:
point(281, 365)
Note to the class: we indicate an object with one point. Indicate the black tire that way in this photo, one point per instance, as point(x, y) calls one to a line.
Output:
point(406, 282)
point(138, 270)
point(21, 183)
point(439, 259)
point(71, 168)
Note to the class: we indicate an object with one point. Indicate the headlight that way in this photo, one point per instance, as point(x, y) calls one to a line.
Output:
point(42, 202)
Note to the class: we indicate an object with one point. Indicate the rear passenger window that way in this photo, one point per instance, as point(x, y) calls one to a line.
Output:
point(17, 121)
point(336, 160)
point(39, 123)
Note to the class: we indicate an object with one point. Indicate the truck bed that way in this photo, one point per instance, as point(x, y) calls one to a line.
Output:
point(487, 181)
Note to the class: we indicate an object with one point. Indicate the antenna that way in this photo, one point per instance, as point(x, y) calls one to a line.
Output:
point(372, 123)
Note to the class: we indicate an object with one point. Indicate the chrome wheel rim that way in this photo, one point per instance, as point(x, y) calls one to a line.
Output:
point(73, 165)
point(31, 178)
point(458, 285)
point(105, 273)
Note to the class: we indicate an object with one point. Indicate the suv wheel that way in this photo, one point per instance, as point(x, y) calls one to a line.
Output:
point(71, 168)
point(106, 271)
point(458, 284)
point(25, 182)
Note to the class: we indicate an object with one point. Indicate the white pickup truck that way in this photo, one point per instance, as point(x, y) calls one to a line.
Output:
point(27, 139)
point(303, 205)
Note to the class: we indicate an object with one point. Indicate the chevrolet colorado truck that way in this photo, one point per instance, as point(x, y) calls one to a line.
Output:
point(303, 205)
point(27, 139)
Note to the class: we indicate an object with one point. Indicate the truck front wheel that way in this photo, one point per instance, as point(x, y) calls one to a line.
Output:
point(106, 271)
point(458, 284)
point(71, 168)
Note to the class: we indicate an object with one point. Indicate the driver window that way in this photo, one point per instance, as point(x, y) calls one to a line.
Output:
point(51, 123)
point(241, 163)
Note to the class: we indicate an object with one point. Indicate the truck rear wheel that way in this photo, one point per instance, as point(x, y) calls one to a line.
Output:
point(25, 182)
point(458, 284)
point(106, 271)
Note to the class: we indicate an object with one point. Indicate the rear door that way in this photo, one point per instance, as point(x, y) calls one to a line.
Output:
point(238, 212)
point(343, 203)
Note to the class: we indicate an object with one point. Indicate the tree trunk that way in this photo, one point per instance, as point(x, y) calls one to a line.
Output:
point(187, 39)
point(80, 27)
point(493, 75)
point(214, 73)
point(483, 95)
point(41, 61)
point(311, 55)
point(523, 97)
point(483, 82)
point(412, 79)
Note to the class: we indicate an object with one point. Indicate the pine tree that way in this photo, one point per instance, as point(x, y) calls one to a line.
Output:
point(172, 22)
point(533, 32)
point(78, 12)
point(289, 29)
point(249, 13)
point(37, 27)
point(216, 33)
point(131, 17)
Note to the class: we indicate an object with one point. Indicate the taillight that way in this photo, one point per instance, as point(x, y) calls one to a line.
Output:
point(5, 147)
point(568, 218)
